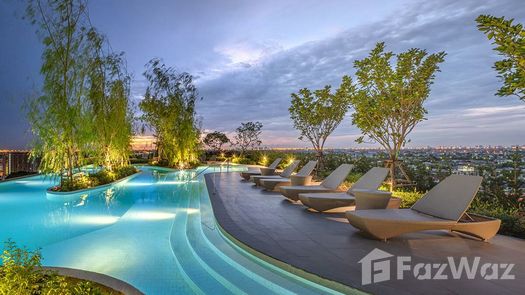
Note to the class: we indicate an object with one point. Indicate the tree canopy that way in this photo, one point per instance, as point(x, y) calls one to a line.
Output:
point(169, 110)
point(83, 110)
point(510, 41)
point(389, 99)
point(111, 114)
point(215, 140)
point(247, 136)
point(316, 114)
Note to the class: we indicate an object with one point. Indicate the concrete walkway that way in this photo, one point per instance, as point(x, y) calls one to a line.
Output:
point(326, 245)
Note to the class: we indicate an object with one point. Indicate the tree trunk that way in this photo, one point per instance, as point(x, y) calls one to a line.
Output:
point(70, 165)
point(320, 159)
point(393, 162)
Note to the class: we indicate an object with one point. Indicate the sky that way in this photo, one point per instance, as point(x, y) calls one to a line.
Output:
point(249, 56)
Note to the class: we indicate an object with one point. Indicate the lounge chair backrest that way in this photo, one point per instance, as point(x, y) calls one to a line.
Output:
point(371, 180)
point(287, 172)
point(334, 180)
point(307, 169)
point(450, 198)
point(275, 163)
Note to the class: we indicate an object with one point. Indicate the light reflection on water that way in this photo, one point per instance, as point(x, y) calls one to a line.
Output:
point(32, 217)
point(156, 231)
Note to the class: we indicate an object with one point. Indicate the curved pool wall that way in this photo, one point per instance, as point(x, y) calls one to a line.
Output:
point(155, 231)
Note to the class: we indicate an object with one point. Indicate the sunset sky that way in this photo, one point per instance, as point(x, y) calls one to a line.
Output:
point(248, 56)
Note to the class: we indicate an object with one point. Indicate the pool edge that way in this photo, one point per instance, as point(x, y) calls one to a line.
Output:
point(103, 279)
point(336, 286)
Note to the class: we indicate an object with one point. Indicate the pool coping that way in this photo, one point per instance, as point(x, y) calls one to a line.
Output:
point(331, 284)
point(108, 281)
point(19, 177)
point(50, 192)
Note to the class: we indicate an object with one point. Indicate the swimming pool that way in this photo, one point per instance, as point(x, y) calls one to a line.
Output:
point(155, 231)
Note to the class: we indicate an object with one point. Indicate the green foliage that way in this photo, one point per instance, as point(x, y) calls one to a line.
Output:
point(57, 116)
point(317, 114)
point(510, 43)
point(169, 110)
point(109, 105)
point(389, 99)
point(83, 110)
point(215, 140)
point(512, 220)
point(493, 184)
point(102, 177)
point(420, 174)
point(247, 136)
point(408, 198)
point(21, 273)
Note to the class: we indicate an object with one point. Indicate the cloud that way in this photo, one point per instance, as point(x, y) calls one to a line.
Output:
point(495, 111)
point(248, 57)
point(466, 84)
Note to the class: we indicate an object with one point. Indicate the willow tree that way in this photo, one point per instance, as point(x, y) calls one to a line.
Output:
point(510, 41)
point(169, 110)
point(109, 105)
point(317, 114)
point(57, 117)
point(389, 99)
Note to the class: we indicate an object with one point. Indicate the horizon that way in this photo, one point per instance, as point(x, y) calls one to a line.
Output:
point(145, 143)
point(282, 47)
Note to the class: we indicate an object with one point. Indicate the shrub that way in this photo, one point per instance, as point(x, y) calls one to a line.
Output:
point(125, 171)
point(512, 220)
point(83, 181)
point(408, 198)
point(21, 273)
point(139, 161)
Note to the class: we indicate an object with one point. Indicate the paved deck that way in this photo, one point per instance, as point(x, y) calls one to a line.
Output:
point(326, 245)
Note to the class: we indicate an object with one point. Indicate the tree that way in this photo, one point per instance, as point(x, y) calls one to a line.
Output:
point(111, 115)
point(169, 110)
point(513, 179)
point(215, 140)
point(317, 114)
point(389, 100)
point(510, 41)
point(248, 136)
point(58, 118)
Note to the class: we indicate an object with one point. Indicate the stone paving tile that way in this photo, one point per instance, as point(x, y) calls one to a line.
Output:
point(326, 245)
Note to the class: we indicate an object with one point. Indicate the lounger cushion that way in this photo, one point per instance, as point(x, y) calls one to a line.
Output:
point(450, 198)
point(277, 179)
point(272, 183)
point(257, 178)
point(387, 223)
point(397, 215)
point(326, 201)
point(334, 180)
point(287, 172)
point(292, 192)
point(370, 180)
point(275, 163)
point(307, 169)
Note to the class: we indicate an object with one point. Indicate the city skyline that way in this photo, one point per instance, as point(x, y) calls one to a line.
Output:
point(242, 70)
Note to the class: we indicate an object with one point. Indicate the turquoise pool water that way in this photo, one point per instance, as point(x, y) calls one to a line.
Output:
point(155, 231)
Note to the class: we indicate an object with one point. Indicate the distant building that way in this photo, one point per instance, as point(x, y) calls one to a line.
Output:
point(13, 161)
point(466, 170)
